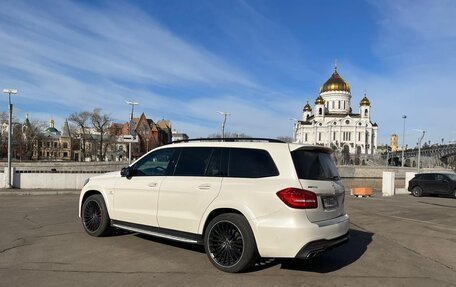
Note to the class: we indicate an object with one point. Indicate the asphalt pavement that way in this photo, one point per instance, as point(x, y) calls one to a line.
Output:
point(395, 241)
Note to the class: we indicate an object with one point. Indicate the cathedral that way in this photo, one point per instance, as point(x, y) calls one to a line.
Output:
point(332, 122)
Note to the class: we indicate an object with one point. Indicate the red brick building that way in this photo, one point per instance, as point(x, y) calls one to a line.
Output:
point(150, 134)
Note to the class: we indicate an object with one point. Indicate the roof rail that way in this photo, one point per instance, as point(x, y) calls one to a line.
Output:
point(230, 140)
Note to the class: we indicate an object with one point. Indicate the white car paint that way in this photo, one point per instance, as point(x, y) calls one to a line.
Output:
point(184, 203)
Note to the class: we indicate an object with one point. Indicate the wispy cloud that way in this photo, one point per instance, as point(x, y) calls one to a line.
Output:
point(67, 56)
point(415, 44)
point(79, 56)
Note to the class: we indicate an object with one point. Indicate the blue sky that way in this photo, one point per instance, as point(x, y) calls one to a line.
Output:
point(259, 60)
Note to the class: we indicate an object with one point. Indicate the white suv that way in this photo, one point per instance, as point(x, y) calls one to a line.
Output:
point(239, 198)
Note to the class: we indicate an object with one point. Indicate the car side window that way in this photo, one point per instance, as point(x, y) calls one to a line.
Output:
point(155, 163)
point(428, 176)
point(214, 168)
point(193, 161)
point(439, 177)
point(251, 163)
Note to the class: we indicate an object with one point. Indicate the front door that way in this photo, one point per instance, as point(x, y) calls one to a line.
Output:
point(442, 184)
point(136, 196)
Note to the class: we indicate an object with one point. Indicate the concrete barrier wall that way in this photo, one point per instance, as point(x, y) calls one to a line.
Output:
point(51, 180)
point(375, 183)
point(71, 175)
point(60, 166)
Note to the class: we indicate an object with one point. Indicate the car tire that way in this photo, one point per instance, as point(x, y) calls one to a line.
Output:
point(417, 191)
point(230, 244)
point(95, 217)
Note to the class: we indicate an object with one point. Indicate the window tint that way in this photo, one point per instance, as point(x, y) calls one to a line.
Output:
point(193, 161)
point(155, 163)
point(428, 176)
point(440, 177)
point(251, 163)
point(214, 168)
point(314, 165)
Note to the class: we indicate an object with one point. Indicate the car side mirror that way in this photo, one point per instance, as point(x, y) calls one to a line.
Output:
point(126, 172)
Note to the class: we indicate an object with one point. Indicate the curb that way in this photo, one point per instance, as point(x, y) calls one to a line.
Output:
point(6, 192)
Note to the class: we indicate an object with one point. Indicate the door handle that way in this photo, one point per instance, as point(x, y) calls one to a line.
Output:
point(152, 184)
point(204, 186)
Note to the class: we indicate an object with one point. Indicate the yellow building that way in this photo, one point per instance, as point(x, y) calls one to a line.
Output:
point(393, 143)
point(55, 145)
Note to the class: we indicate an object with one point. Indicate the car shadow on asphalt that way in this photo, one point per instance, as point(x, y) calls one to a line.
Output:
point(327, 262)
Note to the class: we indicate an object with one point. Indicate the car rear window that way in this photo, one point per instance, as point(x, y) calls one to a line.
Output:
point(314, 165)
point(251, 163)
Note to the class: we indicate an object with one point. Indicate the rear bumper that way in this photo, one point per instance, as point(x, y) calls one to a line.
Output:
point(317, 247)
point(291, 237)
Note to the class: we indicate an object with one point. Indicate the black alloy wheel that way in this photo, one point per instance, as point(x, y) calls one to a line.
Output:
point(229, 243)
point(95, 218)
point(92, 216)
point(417, 191)
point(226, 244)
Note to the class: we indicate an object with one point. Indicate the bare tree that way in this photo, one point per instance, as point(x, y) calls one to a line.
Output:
point(286, 139)
point(31, 134)
point(101, 124)
point(4, 135)
point(229, 135)
point(82, 122)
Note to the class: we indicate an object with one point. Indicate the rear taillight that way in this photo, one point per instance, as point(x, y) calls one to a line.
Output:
point(298, 198)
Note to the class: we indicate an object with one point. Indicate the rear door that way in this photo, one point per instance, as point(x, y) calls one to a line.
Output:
point(428, 183)
point(194, 184)
point(318, 173)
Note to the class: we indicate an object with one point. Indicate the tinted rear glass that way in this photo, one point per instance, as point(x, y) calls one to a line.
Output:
point(314, 165)
point(251, 163)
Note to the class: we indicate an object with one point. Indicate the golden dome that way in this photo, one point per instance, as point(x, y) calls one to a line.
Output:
point(335, 83)
point(365, 101)
point(307, 107)
point(319, 101)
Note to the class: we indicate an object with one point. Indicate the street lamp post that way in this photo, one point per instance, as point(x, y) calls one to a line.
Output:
point(130, 125)
point(224, 114)
point(10, 108)
point(403, 141)
point(419, 150)
point(387, 155)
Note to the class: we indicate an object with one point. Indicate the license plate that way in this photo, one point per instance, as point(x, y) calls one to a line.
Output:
point(330, 202)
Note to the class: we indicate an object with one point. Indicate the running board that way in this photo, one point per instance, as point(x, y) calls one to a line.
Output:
point(170, 234)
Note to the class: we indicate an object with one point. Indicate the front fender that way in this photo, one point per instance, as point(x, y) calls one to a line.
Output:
point(106, 192)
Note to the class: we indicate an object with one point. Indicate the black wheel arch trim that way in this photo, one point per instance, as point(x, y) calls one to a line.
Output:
point(89, 193)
